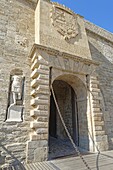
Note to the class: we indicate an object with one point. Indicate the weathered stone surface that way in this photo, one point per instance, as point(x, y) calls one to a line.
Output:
point(38, 101)
point(40, 154)
point(16, 38)
point(37, 82)
point(36, 144)
point(42, 131)
point(38, 137)
point(15, 113)
point(42, 119)
point(36, 72)
point(38, 124)
point(70, 57)
point(49, 36)
point(38, 113)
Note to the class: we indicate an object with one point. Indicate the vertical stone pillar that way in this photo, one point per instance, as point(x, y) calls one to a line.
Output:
point(100, 137)
point(37, 147)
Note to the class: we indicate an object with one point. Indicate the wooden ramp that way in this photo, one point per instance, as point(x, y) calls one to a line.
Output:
point(102, 161)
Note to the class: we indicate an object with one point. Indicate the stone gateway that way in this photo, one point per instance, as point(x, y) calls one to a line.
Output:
point(43, 45)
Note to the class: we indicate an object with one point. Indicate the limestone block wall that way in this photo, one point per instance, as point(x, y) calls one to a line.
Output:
point(63, 95)
point(101, 46)
point(37, 146)
point(16, 40)
point(60, 28)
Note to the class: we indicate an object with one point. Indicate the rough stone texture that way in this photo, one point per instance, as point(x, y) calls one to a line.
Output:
point(63, 95)
point(108, 36)
point(22, 24)
point(47, 34)
point(102, 51)
point(77, 79)
point(16, 39)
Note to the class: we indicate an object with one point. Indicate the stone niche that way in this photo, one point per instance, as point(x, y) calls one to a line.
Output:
point(60, 28)
point(15, 106)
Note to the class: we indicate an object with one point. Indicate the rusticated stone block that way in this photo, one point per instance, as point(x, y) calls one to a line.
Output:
point(42, 131)
point(103, 145)
point(37, 82)
point(36, 113)
point(36, 72)
point(96, 110)
point(99, 133)
point(40, 154)
point(38, 137)
point(98, 118)
point(37, 101)
point(39, 124)
point(98, 128)
point(99, 123)
point(36, 144)
point(96, 105)
point(42, 119)
point(43, 107)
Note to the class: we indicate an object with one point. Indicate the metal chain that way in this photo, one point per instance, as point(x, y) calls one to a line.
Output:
point(68, 134)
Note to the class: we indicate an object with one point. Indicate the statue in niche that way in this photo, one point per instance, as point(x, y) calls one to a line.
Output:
point(16, 88)
point(15, 99)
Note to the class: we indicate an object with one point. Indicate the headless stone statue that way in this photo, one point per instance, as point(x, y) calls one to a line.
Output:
point(16, 88)
point(15, 108)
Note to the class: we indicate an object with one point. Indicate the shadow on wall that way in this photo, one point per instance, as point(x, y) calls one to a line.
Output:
point(16, 164)
point(81, 100)
point(101, 54)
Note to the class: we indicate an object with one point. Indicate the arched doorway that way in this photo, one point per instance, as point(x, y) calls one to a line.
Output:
point(71, 96)
point(59, 142)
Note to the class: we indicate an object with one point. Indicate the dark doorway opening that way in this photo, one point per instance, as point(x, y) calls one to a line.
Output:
point(59, 143)
point(52, 119)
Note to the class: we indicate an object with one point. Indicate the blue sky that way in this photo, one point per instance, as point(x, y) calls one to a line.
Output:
point(99, 12)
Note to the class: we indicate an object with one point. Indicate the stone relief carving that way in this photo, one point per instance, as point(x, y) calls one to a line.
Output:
point(65, 22)
point(15, 99)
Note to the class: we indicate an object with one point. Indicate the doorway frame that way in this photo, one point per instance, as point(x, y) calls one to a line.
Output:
point(42, 59)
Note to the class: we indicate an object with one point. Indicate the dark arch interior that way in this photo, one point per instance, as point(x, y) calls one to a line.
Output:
point(59, 143)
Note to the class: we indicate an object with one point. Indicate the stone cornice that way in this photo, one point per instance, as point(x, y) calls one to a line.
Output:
point(99, 31)
point(60, 53)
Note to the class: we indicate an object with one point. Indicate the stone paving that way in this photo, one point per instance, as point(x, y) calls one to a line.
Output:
point(59, 148)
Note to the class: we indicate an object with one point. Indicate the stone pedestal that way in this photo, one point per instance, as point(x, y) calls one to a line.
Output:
point(14, 113)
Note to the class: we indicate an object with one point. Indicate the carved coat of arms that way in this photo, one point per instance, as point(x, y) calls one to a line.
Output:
point(65, 22)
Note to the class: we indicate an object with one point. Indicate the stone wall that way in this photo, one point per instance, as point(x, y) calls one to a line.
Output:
point(58, 27)
point(101, 48)
point(56, 49)
point(63, 95)
point(16, 39)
